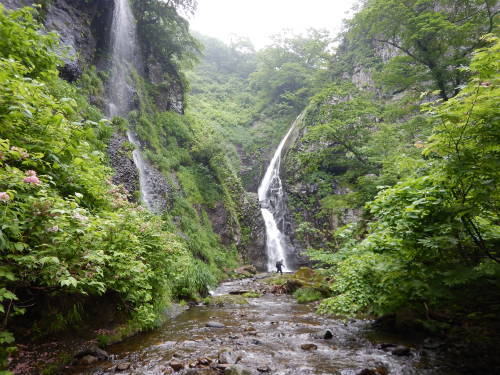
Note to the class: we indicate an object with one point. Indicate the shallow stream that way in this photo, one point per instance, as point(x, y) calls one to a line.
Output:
point(270, 335)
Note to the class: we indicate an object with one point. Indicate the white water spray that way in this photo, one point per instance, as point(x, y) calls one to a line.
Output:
point(273, 208)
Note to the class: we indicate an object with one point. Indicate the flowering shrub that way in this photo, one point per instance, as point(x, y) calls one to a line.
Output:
point(64, 228)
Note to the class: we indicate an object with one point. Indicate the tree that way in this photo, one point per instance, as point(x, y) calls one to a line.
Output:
point(439, 35)
point(164, 34)
point(292, 67)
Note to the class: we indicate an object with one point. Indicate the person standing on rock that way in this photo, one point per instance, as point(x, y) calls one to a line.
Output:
point(279, 266)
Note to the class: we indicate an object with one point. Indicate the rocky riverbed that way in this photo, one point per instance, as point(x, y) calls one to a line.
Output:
point(269, 334)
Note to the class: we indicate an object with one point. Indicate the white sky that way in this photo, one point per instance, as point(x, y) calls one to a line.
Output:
point(259, 19)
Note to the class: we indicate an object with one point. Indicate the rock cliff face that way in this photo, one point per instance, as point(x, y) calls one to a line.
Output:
point(253, 246)
point(120, 158)
point(84, 31)
point(303, 198)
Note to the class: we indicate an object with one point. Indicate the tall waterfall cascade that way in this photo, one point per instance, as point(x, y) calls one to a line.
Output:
point(125, 58)
point(273, 208)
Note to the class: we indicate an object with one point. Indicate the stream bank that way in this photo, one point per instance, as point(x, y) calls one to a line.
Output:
point(270, 333)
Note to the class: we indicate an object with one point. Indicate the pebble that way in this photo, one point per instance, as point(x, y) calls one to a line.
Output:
point(309, 346)
point(215, 325)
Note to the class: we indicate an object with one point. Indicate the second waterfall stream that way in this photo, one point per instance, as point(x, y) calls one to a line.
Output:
point(273, 209)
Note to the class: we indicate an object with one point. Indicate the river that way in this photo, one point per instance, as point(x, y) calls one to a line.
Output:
point(271, 334)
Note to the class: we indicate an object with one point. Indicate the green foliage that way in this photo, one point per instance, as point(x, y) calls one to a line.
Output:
point(64, 228)
point(435, 233)
point(437, 35)
point(307, 295)
point(164, 35)
point(292, 67)
point(21, 41)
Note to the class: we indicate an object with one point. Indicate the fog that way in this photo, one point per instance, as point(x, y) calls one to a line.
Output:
point(259, 19)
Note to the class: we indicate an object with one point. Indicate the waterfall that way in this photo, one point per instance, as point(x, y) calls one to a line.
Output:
point(273, 208)
point(125, 58)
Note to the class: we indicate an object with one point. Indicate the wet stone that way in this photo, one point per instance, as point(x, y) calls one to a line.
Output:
point(237, 370)
point(177, 366)
point(309, 346)
point(215, 325)
point(401, 351)
point(88, 360)
point(328, 335)
point(227, 357)
point(122, 366)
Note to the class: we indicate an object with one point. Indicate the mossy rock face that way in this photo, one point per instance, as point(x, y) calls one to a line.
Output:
point(305, 273)
point(226, 300)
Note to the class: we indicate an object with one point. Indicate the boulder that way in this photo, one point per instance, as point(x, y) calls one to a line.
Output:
point(93, 351)
point(248, 269)
point(88, 360)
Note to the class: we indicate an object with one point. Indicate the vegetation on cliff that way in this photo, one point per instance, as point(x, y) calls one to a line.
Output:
point(67, 233)
point(393, 180)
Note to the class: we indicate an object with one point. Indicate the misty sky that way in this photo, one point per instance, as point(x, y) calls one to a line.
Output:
point(258, 19)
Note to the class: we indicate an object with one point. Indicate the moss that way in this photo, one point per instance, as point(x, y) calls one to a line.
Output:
point(252, 294)
point(227, 299)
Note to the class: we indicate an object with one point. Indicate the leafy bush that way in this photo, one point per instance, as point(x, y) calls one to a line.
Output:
point(306, 295)
point(435, 234)
point(65, 229)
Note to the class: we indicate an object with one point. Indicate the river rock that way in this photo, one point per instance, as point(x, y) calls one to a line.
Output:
point(123, 366)
point(401, 351)
point(309, 346)
point(177, 366)
point(227, 357)
point(239, 292)
point(263, 369)
point(328, 335)
point(215, 325)
point(93, 351)
point(246, 270)
point(376, 371)
point(88, 360)
point(237, 370)
point(200, 371)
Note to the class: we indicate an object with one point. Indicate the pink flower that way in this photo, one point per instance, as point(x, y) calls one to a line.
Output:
point(23, 154)
point(4, 197)
point(30, 173)
point(53, 229)
point(79, 216)
point(32, 180)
